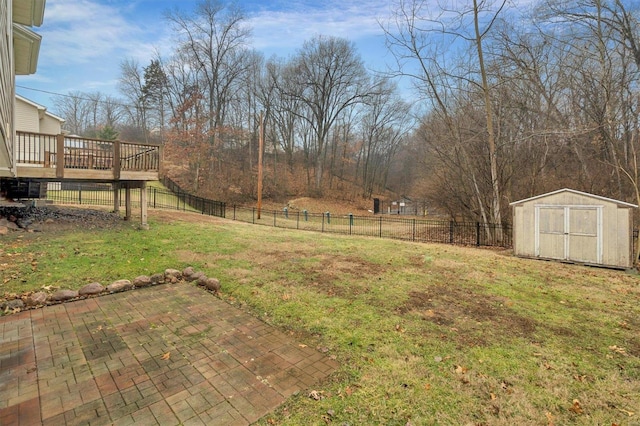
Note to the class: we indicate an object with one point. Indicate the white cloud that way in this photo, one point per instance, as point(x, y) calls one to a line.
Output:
point(84, 31)
point(288, 26)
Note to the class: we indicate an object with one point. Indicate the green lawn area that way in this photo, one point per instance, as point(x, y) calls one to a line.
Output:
point(424, 333)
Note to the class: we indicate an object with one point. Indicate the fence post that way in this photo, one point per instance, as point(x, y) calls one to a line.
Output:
point(298, 220)
point(350, 222)
point(79, 194)
point(154, 198)
point(380, 226)
point(275, 214)
point(286, 213)
point(253, 215)
point(478, 234)
point(413, 238)
point(450, 232)
point(328, 218)
point(306, 215)
point(322, 223)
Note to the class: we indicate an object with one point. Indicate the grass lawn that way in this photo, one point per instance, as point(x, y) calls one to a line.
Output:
point(424, 333)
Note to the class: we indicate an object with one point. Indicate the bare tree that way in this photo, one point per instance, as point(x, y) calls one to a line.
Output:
point(131, 85)
point(385, 122)
point(75, 108)
point(332, 78)
point(215, 40)
point(419, 38)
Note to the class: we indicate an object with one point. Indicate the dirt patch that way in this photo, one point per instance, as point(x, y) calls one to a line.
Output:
point(334, 275)
point(476, 318)
point(331, 274)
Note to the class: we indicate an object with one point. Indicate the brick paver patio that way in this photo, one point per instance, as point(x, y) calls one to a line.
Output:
point(170, 354)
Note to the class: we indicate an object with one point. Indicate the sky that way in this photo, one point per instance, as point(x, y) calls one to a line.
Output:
point(85, 41)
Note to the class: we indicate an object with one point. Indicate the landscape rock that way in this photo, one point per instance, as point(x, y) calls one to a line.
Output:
point(212, 284)
point(91, 289)
point(63, 295)
point(195, 276)
point(24, 222)
point(4, 230)
point(12, 304)
point(172, 275)
point(120, 285)
point(157, 279)
point(142, 281)
point(187, 272)
point(36, 299)
point(41, 298)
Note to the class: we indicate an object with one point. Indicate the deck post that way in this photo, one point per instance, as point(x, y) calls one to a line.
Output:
point(127, 201)
point(116, 160)
point(116, 197)
point(143, 206)
point(60, 156)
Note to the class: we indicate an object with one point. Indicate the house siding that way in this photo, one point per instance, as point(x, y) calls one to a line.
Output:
point(6, 89)
point(50, 125)
point(27, 117)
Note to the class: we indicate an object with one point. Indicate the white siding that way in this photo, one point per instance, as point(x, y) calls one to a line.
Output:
point(50, 125)
point(27, 117)
point(6, 89)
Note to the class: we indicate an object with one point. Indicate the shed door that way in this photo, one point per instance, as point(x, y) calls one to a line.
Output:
point(569, 233)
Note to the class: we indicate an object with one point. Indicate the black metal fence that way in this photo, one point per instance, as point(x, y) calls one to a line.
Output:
point(202, 205)
point(410, 229)
point(102, 195)
point(381, 226)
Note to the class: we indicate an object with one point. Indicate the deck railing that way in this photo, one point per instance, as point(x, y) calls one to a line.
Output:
point(61, 152)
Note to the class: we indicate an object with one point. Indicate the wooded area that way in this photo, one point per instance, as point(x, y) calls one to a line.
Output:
point(505, 104)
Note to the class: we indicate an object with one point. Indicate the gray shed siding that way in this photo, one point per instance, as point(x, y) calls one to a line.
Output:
point(574, 226)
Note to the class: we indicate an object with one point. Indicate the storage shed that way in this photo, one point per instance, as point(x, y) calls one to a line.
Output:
point(574, 226)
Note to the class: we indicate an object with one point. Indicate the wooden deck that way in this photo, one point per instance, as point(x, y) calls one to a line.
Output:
point(59, 158)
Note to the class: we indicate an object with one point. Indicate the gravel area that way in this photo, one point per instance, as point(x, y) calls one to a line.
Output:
point(38, 219)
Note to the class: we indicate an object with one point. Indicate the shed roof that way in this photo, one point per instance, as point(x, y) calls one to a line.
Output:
point(573, 191)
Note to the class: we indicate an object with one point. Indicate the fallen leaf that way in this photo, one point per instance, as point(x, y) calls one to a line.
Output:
point(302, 345)
point(427, 386)
point(317, 395)
point(618, 350)
point(348, 391)
point(166, 356)
point(576, 407)
point(460, 369)
point(628, 413)
point(549, 419)
point(493, 396)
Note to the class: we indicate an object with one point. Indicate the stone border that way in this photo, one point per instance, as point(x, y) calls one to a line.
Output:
point(39, 299)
